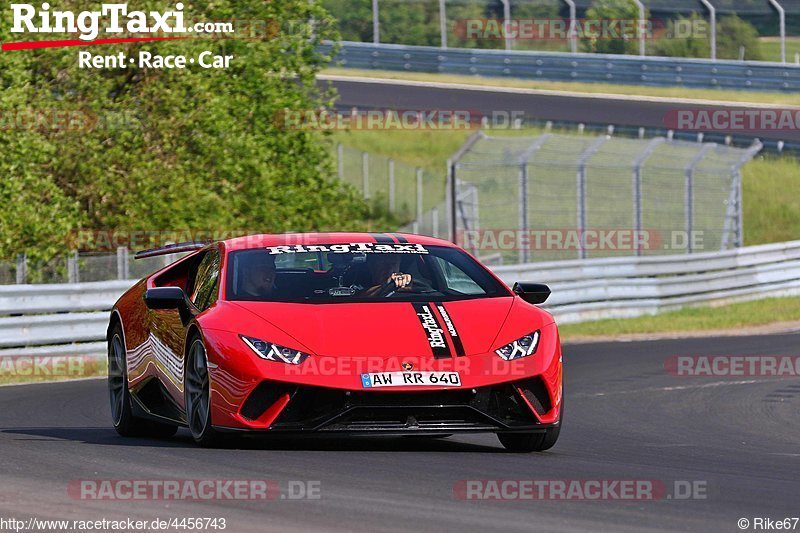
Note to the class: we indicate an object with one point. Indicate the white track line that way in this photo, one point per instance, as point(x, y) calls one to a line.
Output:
point(548, 92)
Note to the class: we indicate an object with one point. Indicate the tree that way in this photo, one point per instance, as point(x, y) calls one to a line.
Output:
point(613, 11)
point(733, 34)
point(166, 149)
point(684, 37)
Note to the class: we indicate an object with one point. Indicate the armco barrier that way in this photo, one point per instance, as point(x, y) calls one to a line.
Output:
point(559, 66)
point(72, 319)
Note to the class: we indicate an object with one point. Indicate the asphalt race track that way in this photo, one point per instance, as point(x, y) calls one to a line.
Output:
point(587, 109)
point(627, 419)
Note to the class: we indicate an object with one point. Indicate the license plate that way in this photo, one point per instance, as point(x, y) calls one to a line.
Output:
point(408, 379)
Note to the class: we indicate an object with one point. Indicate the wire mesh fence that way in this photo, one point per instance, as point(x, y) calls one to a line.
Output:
point(557, 196)
point(404, 190)
point(76, 267)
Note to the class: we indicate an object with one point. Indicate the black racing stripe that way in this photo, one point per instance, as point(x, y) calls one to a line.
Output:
point(433, 330)
point(381, 237)
point(399, 238)
point(450, 327)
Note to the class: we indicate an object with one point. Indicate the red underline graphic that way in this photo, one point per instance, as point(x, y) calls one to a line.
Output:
point(63, 44)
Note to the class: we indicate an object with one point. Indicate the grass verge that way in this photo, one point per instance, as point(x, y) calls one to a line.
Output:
point(693, 319)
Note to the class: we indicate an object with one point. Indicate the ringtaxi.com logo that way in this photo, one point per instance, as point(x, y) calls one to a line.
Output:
point(88, 24)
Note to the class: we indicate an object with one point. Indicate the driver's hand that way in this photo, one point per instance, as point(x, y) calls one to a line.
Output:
point(400, 280)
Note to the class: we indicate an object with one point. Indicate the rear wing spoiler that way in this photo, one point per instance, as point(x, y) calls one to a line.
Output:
point(170, 249)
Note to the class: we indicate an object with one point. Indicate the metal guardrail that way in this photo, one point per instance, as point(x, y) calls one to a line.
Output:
point(559, 66)
point(583, 290)
point(621, 287)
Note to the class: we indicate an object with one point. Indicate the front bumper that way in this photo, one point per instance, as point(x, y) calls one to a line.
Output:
point(280, 407)
point(495, 396)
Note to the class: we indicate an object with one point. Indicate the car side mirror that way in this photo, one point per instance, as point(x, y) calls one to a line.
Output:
point(533, 293)
point(165, 298)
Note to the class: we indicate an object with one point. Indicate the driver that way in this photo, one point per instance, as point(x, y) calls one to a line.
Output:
point(384, 270)
point(257, 270)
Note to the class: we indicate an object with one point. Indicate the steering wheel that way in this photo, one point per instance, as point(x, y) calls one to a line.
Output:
point(389, 288)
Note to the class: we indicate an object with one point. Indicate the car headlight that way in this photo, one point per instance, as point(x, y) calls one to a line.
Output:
point(274, 352)
point(522, 347)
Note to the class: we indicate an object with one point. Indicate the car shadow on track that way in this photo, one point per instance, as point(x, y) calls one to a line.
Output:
point(104, 436)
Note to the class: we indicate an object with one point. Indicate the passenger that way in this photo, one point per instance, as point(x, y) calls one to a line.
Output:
point(384, 269)
point(257, 271)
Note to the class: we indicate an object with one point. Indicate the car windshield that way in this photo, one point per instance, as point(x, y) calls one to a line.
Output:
point(358, 272)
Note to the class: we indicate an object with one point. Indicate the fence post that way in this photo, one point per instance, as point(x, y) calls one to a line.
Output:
point(506, 20)
point(523, 191)
point(22, 269)
point(435, 222)
point(449, 204)
point(391, 187)
point(688, 193)
point(418, 218)
point(641, 28)
point(737, 185)
point(340, 160)
point(572, 34)
point(452, 166)
point(365, 174)
point(637, 189)
point(73, 276)
point(712, 18)
point(581, 192)
point(123, 270)
point(781, 27)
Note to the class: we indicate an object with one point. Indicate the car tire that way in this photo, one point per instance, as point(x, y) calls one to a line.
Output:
point(197, 390)
point(125, 423)
point(533, 442)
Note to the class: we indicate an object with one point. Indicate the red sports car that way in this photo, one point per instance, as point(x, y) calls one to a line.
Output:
point(338, 333)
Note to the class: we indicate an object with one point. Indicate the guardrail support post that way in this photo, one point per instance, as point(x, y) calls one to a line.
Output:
point(443, 23)
point(376, 23)
point(73, 276)
point(123, 270)
point(22, 269)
